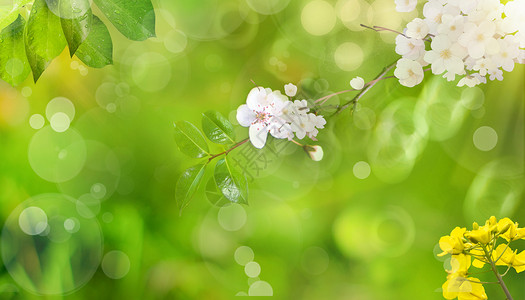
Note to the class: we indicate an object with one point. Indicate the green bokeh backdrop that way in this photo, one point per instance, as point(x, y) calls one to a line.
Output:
point(316, 229)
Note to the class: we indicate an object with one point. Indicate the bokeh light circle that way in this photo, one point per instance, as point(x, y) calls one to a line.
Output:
point(57, 260)
point(37, 121)
point(260, 288)
point(99, 177)
point(252, 269)
point(348, 56)
point(361, 170)
point(60, 122)
point(364, 233)
point(485, 138)
point(497, 190)
point(151, 72)
point(243, 255)
point(472, 98)
point(57, 157)
point(232, 217)
point(318, 17)
point(60, 105)
point(397, 141)
point(32, 220)
point(267, 7)
point(175, 41)
point(116, 264)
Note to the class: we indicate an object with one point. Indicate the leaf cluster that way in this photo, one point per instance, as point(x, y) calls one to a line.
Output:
point(30, 45)
point(228, 184)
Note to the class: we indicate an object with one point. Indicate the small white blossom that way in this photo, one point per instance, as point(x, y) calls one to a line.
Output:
point(290, 90)
point(357, 83)
point(470, 81)
point(412, 49)
point(405, 5)
point(315, 152)
point(417, 29)
point(445, 56)
point(261, 113)
point(409, 72)
point(452, 26)
point(478, 39)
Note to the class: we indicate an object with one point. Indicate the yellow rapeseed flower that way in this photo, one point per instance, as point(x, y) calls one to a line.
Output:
point(463, 288)
point(483, 234)
point(453, 243)
point(511, 231)
point(510, 258)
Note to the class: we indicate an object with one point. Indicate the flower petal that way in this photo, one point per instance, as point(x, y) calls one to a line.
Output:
point(258, 133)
point(257, 98)
point(245, 116)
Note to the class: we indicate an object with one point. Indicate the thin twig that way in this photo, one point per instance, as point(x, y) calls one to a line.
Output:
point(498, 276)
point(367, 88)
point(229, 150)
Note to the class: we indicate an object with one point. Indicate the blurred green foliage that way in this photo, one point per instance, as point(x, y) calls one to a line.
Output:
point(316, 229)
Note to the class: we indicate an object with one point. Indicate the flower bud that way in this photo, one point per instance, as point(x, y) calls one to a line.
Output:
point(471, 238)
point(475, 226)
point(505, 228)
point(315, 152)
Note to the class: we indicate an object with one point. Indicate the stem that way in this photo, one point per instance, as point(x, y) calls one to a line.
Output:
point(367, 88)
point(229, 150)
point(498, 276)
point(297, 143)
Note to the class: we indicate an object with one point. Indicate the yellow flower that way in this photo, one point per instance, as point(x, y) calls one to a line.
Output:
point(510, 258)
point(459, 264)
point(463, 288)
point(483, 234)
point(453, 243)
point(478, 262)
point(510, 230)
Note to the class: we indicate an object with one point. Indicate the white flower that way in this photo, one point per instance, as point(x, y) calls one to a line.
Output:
point(417, 29)
point(434, 12)
point(470, 81)
point(315, 152)
point(486, 10)
point(484, 65)
point(409, 72)
point(452, 26)
point(508, 52)
point(445, 56)
point(357, 83)
point(478, 39)
point(496, 74)
point(405, 5)
point(290, 90)
point(261, 113)
point(412, 49)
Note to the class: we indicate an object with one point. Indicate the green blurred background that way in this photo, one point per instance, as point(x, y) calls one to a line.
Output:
point(406, 168)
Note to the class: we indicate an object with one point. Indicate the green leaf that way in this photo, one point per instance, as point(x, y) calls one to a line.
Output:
point(9, 13)
point(190, 140)
point(76, 19)
point(44, 38)
point(214, 195)
point(187, 185)
point(217, 128)
point(97, 50)
point(231, 182)
point(134, 19)
point(14, 66)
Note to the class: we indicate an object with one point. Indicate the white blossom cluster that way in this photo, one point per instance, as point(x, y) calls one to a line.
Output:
point(473, 39)
point(268, 111)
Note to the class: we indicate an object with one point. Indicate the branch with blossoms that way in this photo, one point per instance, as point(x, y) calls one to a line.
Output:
point(483, 245)
point(473, 39)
